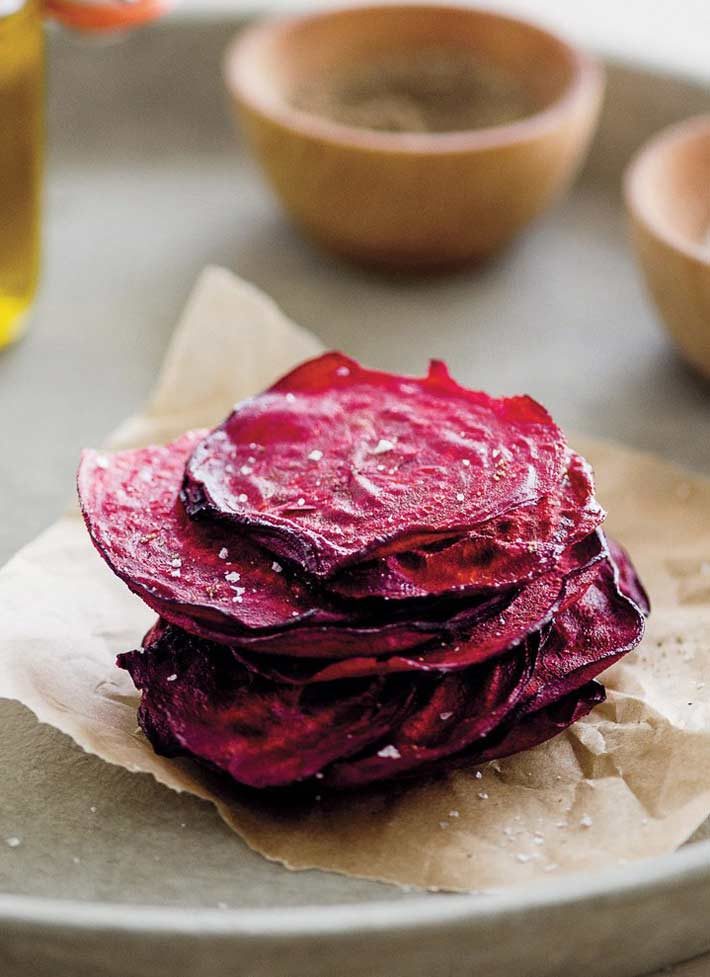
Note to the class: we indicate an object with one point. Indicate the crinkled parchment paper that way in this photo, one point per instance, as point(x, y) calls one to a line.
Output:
point(630, 780)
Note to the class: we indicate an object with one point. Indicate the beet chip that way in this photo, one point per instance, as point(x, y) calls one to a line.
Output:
point(509, 549)
point(197, 701)
point(581, 642)
point(361, 576)
point(501, 628)
point(214, 583)
point(138, 524)
point(336, 462)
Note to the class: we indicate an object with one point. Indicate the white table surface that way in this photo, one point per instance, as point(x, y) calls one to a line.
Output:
point(674, 34)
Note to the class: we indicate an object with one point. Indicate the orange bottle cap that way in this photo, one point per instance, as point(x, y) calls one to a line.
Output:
point(105, 15)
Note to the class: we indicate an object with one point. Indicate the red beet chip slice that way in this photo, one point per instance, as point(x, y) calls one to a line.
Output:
point(583, 640)
point(336, 462)
point(509, 549)
point(535, 728)
point(199, 701)
point(212, 582)
point(369, 633)
point(505, 625)
point(461, 709)
point(629, 582)
point(180, 568)
point(196, 701)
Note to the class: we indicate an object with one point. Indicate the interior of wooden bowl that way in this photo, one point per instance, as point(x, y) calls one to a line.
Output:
point(274, 62)
point(668, 184)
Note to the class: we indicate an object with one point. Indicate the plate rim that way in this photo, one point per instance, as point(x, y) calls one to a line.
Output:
point(660, 873)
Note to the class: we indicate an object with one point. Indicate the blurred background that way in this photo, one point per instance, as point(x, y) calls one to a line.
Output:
point(147, 179)
point(671, 35)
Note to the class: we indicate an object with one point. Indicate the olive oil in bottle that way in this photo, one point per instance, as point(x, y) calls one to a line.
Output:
point(21, 145)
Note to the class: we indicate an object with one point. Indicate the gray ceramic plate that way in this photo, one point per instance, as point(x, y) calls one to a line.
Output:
point(115, 875)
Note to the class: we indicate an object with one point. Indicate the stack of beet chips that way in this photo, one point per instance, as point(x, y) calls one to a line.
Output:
point(360, 575)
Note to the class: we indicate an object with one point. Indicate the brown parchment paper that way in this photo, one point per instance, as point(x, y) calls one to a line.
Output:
point(630, 780)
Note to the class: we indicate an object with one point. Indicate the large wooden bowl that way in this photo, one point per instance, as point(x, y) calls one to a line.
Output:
point(667, 188)
point(412, 199)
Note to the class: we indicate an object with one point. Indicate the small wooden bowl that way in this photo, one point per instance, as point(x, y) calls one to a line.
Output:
point(412, 199)
point(667, 190)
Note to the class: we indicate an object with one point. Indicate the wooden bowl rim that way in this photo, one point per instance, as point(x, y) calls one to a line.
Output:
point(636, 200)
point(587, 82)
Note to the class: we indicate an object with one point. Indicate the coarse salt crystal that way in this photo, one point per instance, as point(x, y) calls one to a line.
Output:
point(343, 371)
point(445, 715)
point(478, 775)
point(246, 470)
point(389, 752)
point(176, 562)
point(483, 795)
point(466, 463)
point(223, 553)
point(290, 398)
point(585, 821)
point(453, 814)
point(232, 576)
point(520, 857)
point(171, 678)
point(315, 455)
point(13, 842)
point(102, 461)
point(460, 496)
point(382, 446)
point(276, 567)
point(175, 573)
point(301, 502)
